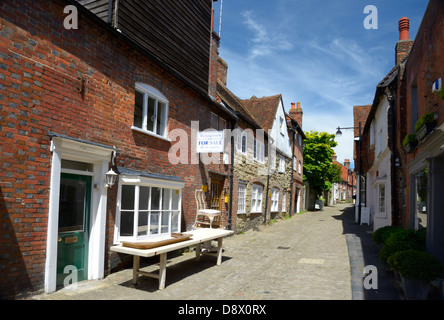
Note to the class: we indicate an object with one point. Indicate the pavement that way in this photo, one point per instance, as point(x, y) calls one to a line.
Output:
point(317, 255)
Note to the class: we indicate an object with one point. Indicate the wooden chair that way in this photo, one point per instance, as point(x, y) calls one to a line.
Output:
point(205, 217)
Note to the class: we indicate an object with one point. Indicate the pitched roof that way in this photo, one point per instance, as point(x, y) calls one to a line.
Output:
point(263, 109)
point(295, 123)
point(236, 104)
point(360, 114)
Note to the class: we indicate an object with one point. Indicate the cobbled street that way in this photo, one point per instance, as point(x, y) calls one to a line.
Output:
point(315, 255)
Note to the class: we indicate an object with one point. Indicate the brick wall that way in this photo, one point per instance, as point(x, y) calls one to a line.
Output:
point(425, 64)
point(79, 83)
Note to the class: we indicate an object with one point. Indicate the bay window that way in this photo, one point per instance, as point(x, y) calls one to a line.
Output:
point(147, 210)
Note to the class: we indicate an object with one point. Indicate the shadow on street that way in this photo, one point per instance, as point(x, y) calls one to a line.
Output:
point(363, 251)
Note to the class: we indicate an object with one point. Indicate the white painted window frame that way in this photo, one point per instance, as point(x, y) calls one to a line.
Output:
point(256, 198)
point(151, 92)
point(139, 181)
point(274, 200)
point(242, 198)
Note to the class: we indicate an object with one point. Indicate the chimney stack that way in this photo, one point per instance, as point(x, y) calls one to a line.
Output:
point(404, 44)
point(334, 158)
point(404, 27)
point(347, 163)
point(296, 113)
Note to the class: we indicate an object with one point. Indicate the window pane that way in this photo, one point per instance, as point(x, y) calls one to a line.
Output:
point(214, 121)
point(166, 196)
point(127, 224)
point(222, 124)
point(72, 205)
point(160, 119)
point(151, 114)
point(138, 110)
point(142, 229)
point(244, 143)
point(175, 222)
point(155, 198)
point(144, 194)
point(154, 223)
point(176, 198)
point(128, 197)
point(165, 222)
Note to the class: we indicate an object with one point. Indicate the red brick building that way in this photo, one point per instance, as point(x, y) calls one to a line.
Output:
point(421, 172)
point(77, 102)
point(414, 94)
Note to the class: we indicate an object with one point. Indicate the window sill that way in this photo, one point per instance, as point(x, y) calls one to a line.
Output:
point(150, 134)
point(242, 213)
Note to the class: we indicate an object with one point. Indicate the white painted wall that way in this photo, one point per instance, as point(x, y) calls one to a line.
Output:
point(380, 172)
point(282, 141)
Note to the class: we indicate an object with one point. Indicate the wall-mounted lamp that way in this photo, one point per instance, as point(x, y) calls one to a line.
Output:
point(110, 178)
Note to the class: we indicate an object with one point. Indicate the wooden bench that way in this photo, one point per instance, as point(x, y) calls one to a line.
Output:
point(198, 237)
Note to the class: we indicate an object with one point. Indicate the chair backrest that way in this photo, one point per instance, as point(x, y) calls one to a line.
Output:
point(200, 199)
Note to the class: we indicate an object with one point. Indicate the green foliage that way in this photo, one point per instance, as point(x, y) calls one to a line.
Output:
point(440, 93)
point(411, 137)
point(381, 235)
point(416, 264)
point(425, 118)
point(335, 173)
point(401, 240)
point(318, 153)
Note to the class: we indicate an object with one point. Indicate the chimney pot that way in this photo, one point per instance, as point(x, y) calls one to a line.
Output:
point(299, 105)
point(293, 105)
point(404, 26)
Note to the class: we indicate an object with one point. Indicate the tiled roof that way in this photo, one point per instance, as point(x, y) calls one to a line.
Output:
point(360, 114)
point(236, 104)
point(263, 109)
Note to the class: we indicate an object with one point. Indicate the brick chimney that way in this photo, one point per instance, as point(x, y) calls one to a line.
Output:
point(296, 113)
point(347, 163)
point(214, 61)
point(222, 71)
point(404, 44)
point(334, 158)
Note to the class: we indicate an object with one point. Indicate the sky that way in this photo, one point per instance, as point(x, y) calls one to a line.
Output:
point(318, 53)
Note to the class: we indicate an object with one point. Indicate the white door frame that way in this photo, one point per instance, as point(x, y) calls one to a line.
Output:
point(99, 156)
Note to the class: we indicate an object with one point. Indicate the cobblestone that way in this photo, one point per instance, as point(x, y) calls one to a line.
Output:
point(305, 257)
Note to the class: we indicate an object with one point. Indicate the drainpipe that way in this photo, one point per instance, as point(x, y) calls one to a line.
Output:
point(230, 210)
point(391, 100)
point(268, 178)
point(292, 171)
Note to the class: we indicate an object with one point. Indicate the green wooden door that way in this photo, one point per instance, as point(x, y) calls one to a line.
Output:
point(74, 215)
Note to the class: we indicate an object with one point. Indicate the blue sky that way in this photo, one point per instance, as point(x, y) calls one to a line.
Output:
point(315, 52)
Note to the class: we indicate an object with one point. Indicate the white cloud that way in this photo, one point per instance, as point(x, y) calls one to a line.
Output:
point(264, 42)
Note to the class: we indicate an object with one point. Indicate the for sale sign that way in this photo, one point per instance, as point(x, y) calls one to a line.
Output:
point(210, 142)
